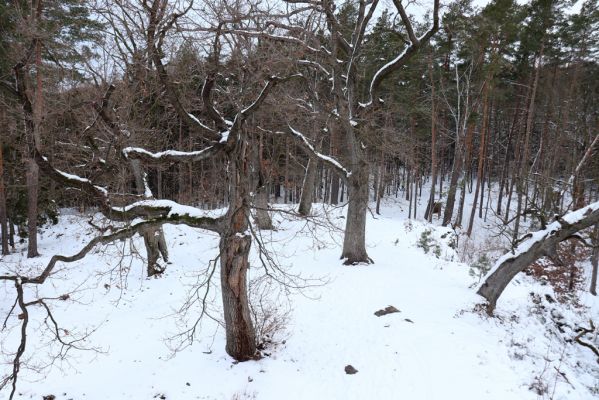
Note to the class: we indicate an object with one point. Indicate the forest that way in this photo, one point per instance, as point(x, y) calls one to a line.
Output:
point(234, 186)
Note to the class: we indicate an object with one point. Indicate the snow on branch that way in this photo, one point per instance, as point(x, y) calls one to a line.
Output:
point(409, 52)
point(306, 145)
point(315, 65)
point(171, 209)
point(98, 192)
point(169, 156)
point(270, 84)
point(537, 244)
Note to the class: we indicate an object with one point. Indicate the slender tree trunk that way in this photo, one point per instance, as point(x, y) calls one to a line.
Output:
point(466, 169)
point(32, 177)
point(431, 202)
point(307, 195)
point(458, 166)
point(481, 158)
point(381, 184)
point(506, 161)
point(595, 262)
point(3, 218)
point(11, 233)
point(263, 219)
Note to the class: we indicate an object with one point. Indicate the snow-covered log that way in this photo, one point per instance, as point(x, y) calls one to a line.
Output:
point(538, 244)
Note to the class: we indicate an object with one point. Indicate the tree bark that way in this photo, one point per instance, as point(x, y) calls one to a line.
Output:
point(263, 219)
point(354, 243)
point(234, 247)
point(431, 202)
point(32, 177)
point(3, 217)
point(307, 195)
point(595, 262)
point(380, 184)
point(154, 240)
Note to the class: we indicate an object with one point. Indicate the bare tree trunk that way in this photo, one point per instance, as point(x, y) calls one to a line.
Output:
point(481, 159)
point(11, 233)
point(595, 262)
point(307, 195)
point(354, 243)
point(235, 246)
point(522, 186)
point(458, 158)
point(32, 176)
point(154, 240)
point(415, 193)
point(3, 218)
point(263, 219)
point(431, 202)
point(381, 184)
point(466, 169)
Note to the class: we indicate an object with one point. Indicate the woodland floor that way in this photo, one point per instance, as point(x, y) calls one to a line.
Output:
point(436, 347)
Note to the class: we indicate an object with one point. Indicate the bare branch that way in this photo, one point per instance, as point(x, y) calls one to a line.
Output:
point(405, 56)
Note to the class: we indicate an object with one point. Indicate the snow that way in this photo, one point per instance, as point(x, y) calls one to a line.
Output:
point(436, 347)
point(147, 191)
point(166, 153)
point(175, 208)
point(224, 136)
point(79, 179)
point(197, 121)
point(73, 177)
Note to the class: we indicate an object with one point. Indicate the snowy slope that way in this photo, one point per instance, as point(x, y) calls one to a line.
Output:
point(436, 347)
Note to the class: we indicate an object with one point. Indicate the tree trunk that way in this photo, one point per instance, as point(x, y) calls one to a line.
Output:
point(11, 233)
point(481, 160)
point(453, 182)
point(262, 218)
point(354, 242)
point(431, 202)
point(235, 246)
point(3, 220)
point(595, 262)
point(522, 186)
point(32, 176)
point(307, 195)
point(381, 184)
point(154, 240)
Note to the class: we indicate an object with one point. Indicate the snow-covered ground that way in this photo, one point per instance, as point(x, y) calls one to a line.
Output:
point(437, 347)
